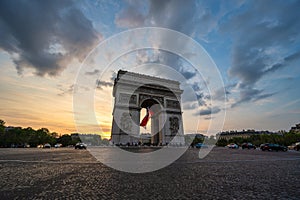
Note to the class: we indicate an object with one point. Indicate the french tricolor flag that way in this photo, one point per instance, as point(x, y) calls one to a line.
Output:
point(145, 120)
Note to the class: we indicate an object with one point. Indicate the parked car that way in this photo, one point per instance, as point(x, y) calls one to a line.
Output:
point(297, 147)
point(248, 146)
point(58, 145)
point(272, 147)
point(47, 145)
point(233, 146)
point(292, 147)
point(201, 145)
point(80, 146)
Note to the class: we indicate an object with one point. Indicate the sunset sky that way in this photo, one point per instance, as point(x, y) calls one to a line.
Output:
point(255, 46)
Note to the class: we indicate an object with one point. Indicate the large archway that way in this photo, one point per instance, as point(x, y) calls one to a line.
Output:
point(161, 97)
point(156, 116)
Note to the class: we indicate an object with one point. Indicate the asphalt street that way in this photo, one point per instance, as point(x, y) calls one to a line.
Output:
point(66, 173)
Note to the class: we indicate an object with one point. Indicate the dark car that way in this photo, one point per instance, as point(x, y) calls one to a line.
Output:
point(201, 145)
point(272, 147)
point(80, 146)
point(248, 146)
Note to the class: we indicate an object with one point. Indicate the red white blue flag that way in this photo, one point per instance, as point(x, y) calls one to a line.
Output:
point(146, 118)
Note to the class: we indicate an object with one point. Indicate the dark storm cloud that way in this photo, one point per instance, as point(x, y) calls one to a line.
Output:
point(263, 37)
point(45, 35)
point(208, 111)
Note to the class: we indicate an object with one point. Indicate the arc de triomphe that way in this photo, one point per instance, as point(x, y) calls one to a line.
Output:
point(132, 92)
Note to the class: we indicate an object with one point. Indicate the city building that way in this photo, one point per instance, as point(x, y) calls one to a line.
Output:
point(227, 135)
point(296, 128)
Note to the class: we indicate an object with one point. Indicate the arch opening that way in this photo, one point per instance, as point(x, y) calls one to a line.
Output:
point(150, 122)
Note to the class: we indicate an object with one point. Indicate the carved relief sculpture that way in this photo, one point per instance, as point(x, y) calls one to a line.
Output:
point(126, 124)
point(174, 125)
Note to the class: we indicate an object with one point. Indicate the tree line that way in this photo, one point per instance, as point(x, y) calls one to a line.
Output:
point(285, 139)
point(22, 137)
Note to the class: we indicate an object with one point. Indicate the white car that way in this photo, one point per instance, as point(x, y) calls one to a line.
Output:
point(233, 146)
point(47, 145)
point(58, 145)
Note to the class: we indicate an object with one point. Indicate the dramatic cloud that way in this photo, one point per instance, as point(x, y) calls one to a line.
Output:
point(192, 17)
point(95, 72)
point(69, 90)
point(201, 98)
point(188, 17)
point(219, 93)
point(193, 97)
point(100, 84)
point(209, 111)
point(45, 35)
point(249, 94)
point(65, 91)
point(165, 58)
point(113, 76)
point(176, 14)
point(132, 16)
point(190, 106)
point(263, 38)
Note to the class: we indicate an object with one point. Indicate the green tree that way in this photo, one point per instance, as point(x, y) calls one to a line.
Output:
point(2, 123)
point(65, 140)
point(222, 142)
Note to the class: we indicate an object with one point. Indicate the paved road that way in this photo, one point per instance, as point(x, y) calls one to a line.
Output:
point(75, 174)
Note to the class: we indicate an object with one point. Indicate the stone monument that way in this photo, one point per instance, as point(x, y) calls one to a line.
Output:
point(161, 97)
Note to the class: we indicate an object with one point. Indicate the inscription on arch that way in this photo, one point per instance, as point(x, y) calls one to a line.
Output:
point(127, 98)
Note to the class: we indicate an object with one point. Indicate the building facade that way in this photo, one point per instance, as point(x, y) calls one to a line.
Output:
point(227, 135)
point(295, 129)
